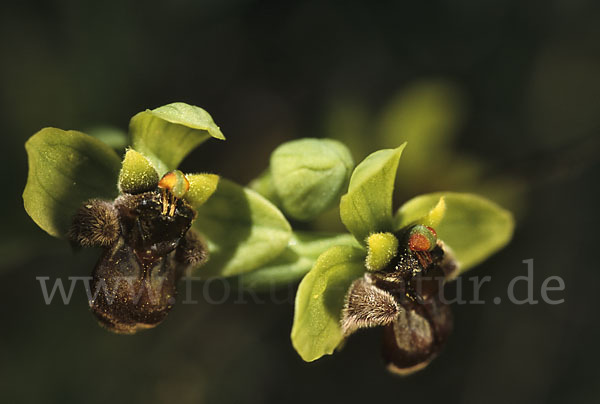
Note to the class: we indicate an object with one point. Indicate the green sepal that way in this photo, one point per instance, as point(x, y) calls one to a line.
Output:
point(367, 207)
point(167, 134)
point(243, 230)
point(66, 168)
point(320, 299)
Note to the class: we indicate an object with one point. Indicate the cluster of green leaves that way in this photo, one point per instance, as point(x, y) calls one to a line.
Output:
point(246, 228)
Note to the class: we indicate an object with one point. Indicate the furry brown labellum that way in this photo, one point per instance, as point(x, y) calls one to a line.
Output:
point(404, 297)
point(416, 336)
point(147, 245)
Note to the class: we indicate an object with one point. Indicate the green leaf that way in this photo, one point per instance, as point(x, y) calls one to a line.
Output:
point(367, 207)
point(243, 230)
point(137, 174)
point(66, 168)
point(472, 226)
point(310, 175)
point(167, 134)
point(320, 299)
point(202, 186)
point(295, 261)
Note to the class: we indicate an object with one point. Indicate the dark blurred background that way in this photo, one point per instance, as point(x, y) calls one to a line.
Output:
point(501, 97)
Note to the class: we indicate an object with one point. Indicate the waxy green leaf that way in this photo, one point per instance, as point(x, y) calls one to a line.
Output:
point(309, 175)
point(243, 230)
point(295, 261)
point(367, 207)
point(472, 226)
point(320, 300)
point(167, 134)
point(66, 168)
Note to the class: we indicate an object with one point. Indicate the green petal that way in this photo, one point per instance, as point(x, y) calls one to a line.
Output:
point(167, 134)
point(243, 230)
point(367, 207)
point(435, 216)
point(320, 300)
point(65, 169)
point(296, 260)
point(472, 226)
point(310, 175)
point(202, 186)
point(381, 249)
point(137, 174)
